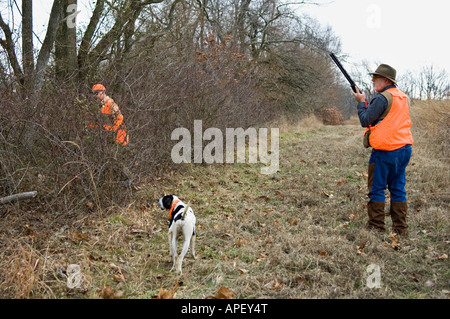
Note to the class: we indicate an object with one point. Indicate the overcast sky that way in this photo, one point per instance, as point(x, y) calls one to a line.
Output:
point(406, 34)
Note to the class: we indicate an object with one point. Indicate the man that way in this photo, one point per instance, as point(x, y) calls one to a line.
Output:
point(112, 117)
point(387, 119)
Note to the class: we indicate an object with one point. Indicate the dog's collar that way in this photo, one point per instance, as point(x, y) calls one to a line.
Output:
point(174, 203)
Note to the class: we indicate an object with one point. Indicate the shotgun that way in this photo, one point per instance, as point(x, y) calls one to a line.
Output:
point(349, 79)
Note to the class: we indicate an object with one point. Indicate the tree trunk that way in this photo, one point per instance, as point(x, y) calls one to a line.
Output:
point(66, 63)
point(27, 47)
point(47, 45)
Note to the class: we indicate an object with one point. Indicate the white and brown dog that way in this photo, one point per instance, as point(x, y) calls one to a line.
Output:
point(182, 220)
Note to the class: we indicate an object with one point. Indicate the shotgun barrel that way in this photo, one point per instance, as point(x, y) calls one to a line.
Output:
point(349, 79)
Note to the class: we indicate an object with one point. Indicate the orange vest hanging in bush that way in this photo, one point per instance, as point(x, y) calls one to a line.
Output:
point(394, 131)
point(121, 136)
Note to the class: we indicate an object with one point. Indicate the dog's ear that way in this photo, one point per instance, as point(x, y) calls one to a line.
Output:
point(167, 201)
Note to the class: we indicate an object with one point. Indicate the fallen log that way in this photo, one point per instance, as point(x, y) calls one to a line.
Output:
point(19, 196)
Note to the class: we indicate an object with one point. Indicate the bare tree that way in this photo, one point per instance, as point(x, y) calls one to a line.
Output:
point(31, 79)
point(432, 83)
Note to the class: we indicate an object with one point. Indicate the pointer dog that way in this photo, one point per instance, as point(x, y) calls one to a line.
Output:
point(182, 220)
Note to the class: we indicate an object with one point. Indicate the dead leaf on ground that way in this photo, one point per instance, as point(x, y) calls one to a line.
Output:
point(329, 195)
point(115, 268)
point(243, 271)
point(224, 293)
point(119, 278)
point(274, 284)
point(395, 244)
point(241, 242)
point(29, 231)
point(76, 236)
point(352, 216)
point(360, 250)
point(137, 230)
point(261, 257)
point(167, 293)
point(109, 293)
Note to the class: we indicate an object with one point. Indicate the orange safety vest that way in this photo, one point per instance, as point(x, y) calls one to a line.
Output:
point(394, 131)
point(122, 136)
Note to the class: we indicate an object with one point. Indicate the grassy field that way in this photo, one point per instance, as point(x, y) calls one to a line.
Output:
point(298, 233)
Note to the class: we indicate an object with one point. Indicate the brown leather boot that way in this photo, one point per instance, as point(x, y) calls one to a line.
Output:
point(398, 214)
point(375, 211)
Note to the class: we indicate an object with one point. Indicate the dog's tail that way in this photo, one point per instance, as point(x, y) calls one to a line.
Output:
point(185, 211)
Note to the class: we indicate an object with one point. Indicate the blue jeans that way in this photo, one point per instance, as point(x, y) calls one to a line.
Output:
point(387, 168)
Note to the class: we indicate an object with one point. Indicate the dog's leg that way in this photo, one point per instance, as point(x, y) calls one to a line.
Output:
point(170, 244)
point(174, 249)
point(193, 246)
point(187, 240)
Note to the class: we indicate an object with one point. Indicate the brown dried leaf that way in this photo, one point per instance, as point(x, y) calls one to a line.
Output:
point(167, 293)
point(243, 271)
point(360, 250)
point(240, 242)
point(274, 284)
point(395, 244)
point(224, 293)
point(330, 195)
point(109, 293)
point(76, 236)
point(119, 278)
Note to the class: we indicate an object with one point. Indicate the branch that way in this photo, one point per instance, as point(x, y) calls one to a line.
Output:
point(89, 33)
point(8, 45)
point(154, 37)
point(47, 45)
point(26, 195)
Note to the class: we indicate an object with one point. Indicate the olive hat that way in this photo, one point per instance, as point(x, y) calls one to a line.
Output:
point(386, 71)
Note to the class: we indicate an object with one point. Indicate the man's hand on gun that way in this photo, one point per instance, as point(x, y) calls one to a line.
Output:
point(359, 96)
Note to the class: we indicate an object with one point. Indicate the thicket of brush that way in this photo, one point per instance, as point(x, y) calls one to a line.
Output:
point(159, 84)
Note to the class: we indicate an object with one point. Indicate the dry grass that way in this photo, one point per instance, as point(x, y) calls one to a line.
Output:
point(295, 234)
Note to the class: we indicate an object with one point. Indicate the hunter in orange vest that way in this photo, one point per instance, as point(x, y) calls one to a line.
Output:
point(387, 120)
point(112, 117)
